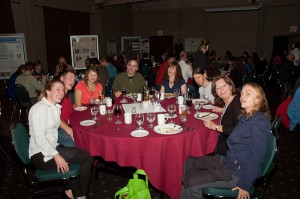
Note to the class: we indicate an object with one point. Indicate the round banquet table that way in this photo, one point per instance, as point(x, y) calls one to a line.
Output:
point(161, 156)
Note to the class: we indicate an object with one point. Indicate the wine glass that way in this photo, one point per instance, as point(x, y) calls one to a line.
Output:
point(94, 112)
point(171, 109)
point(139, 118)
point(176, 94)
point(117, 112)
point(197, 106)
point(151, 119)
point(91, 102)
point(134, 96)
point(188, 103)
point(101, 98)
point(123, 91)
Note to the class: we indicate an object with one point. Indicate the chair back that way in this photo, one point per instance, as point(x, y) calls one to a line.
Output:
point(276, 122)
point(22, 95)
point(271, 154)
point(20, 141)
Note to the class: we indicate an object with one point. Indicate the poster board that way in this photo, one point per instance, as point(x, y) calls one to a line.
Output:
point(145, 45)
point(82, 47)
point(131, 46)
point(114, 46)
point(12, 53)
point(191, 45)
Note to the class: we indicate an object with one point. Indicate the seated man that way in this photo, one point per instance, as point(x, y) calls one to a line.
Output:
point(65, 132)
point(132, 81)
point(30, 82)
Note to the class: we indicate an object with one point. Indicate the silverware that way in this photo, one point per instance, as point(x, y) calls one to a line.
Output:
point(202, 116)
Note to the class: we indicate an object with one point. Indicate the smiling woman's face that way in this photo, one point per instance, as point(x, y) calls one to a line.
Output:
point(223, 90)
point(56, 94)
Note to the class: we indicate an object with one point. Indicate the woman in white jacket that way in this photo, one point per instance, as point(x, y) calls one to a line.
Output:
point(44, 151)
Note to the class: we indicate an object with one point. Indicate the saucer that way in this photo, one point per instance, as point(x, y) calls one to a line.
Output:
point(87, 122)
point(139, 133)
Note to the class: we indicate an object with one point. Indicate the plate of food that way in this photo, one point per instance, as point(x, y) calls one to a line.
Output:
point(206, 116)
point(139, 133)
point(169, 95)
point(80, 108)
point(168, 129)
point(201, 101)
point(87, 122)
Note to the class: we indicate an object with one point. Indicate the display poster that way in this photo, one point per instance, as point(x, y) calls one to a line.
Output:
point(131, 46)
point(12, 53)
point(191, 45)
point(144, 45)
point(82, 47)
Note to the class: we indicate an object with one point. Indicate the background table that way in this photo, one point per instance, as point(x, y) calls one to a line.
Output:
point(161, 156)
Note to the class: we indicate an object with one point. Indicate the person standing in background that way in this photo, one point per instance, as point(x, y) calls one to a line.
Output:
point(296, 53)
point(200, 58)
point(178, 47)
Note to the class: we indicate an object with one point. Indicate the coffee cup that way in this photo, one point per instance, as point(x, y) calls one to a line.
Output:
point(102, 109)
point(108, 102)
point(180, 100)
point(127, 118)
point(161, 119)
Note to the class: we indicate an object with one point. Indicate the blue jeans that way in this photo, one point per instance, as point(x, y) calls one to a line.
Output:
point(64, 138)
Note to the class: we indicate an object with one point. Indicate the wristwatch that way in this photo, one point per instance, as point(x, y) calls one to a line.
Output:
point(216, 127)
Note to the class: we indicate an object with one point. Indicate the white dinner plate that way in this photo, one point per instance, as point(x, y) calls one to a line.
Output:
point(80, 108)
point(207, 106)
point(168, 129)
point(206, 116)
point(168, 116)
point(139, 133)
point(201, 101)
point(87, 122)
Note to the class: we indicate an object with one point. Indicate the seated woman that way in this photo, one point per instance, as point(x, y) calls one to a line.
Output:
point(227, 101)
point(44, 151)
point(200, 77)
point(173, 79)
point(88, 88)
point(246, 150)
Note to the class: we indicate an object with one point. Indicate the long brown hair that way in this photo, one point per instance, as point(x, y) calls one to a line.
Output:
point(219, 101)
point(48, 87)
point(178, 74)
point(262, 105)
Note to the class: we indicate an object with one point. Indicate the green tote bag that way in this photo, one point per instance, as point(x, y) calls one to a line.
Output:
point(136, 188)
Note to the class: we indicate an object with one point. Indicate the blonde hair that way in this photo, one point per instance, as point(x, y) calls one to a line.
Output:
point(48, 87)
point(262, 105)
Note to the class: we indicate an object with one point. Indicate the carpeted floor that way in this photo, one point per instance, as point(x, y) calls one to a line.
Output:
point(284, 182)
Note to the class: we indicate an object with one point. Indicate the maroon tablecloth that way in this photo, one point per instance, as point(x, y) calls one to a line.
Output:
point(161, 156)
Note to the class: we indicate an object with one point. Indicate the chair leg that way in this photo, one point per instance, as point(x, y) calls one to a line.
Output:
point(4, 156)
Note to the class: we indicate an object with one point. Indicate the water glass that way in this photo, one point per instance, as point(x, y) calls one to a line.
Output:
point(117, 111)
point(139, 118)
point(171, 109)
point(94, 112)
point(109, 114)
point(151, 119)
point(134, 96)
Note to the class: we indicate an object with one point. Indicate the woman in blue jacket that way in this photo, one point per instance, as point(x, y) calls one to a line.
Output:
point(246, 150)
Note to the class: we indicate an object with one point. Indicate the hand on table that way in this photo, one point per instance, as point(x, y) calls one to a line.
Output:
point(209, 124)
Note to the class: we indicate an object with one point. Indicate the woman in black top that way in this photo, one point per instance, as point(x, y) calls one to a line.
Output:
point(228, 102)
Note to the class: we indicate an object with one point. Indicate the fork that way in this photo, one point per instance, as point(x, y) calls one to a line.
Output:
point(202, 116)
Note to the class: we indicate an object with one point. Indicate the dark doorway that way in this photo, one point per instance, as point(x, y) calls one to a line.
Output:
point(280, 45)
point(160, 44)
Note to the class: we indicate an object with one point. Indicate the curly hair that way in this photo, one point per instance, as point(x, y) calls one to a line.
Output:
point(219, 101)
point(178, 74)
point(262, 105)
